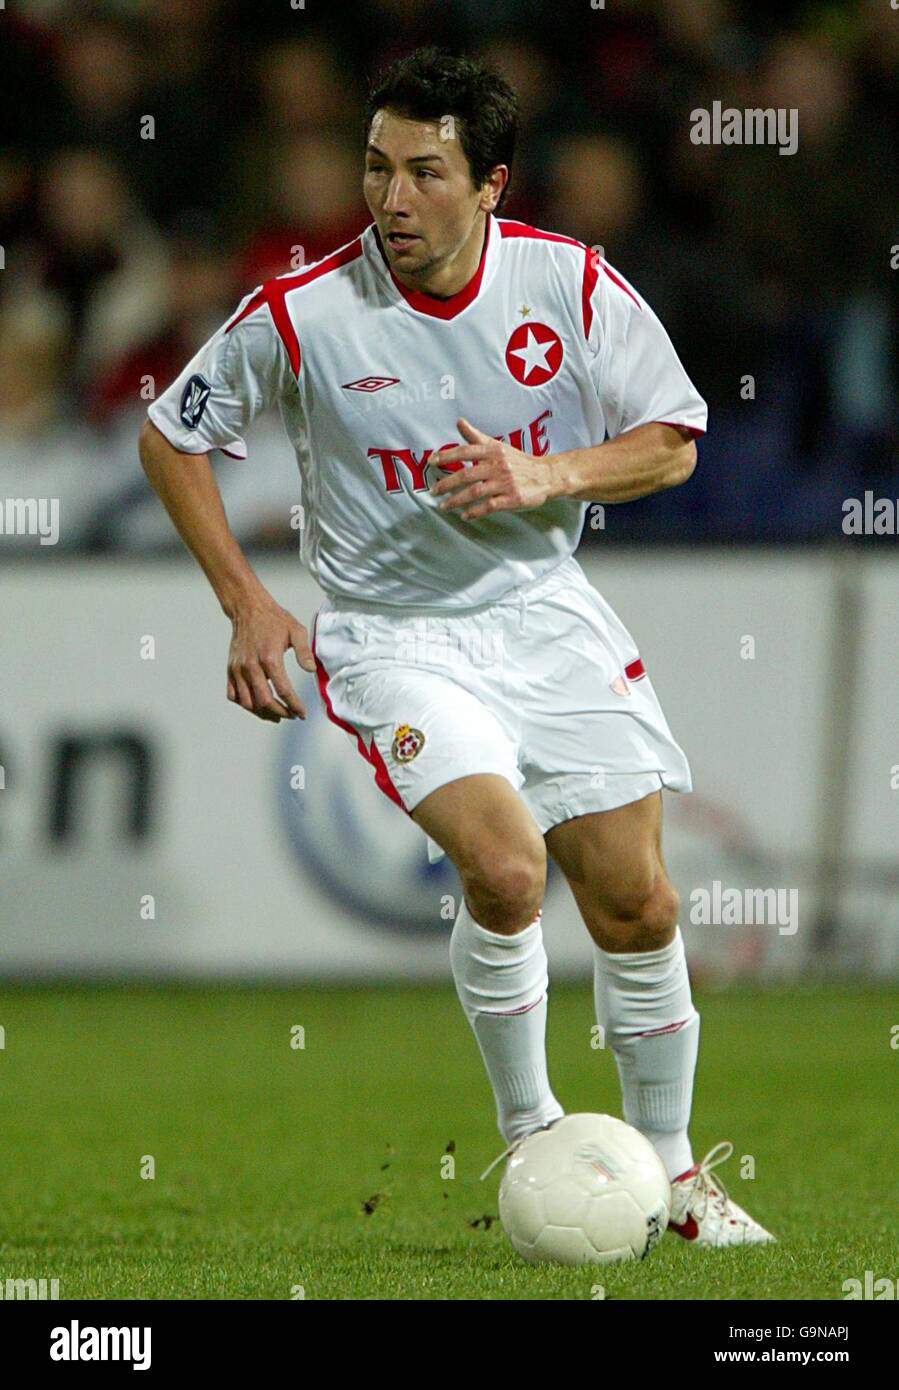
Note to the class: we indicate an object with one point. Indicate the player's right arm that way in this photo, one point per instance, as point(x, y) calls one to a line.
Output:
point(262, 631)
point(241, 369)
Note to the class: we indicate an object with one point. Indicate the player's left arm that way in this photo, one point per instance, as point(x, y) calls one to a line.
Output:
point(646, 459)
point(650, 408)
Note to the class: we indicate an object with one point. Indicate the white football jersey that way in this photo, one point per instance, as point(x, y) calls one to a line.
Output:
point(547, 347)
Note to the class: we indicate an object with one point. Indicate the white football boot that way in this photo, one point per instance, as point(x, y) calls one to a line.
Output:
point(702, 1211)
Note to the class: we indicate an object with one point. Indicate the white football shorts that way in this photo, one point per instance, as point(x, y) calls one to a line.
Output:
point(545, 688)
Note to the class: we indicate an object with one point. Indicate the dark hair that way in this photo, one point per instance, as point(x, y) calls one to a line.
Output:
point(431, 83)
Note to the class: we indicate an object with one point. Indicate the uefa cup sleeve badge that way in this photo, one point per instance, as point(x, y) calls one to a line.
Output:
point(407, 743)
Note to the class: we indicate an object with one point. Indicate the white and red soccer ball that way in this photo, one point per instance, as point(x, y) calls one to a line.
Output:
point(588, 1190)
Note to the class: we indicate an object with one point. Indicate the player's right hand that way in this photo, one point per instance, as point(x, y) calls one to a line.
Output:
point(257, 679)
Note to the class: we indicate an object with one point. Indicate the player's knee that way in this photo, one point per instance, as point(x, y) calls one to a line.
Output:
point(660, 912)
point(641, 915)
point(505, 888)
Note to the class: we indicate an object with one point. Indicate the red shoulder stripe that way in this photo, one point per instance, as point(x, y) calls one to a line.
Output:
point(250, 307)
point(523, 229)
point(621, 285)
point(273, 294)
point(591, 261)
point(591, 275)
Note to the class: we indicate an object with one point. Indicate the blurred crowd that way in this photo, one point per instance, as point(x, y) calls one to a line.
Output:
point(161, 157)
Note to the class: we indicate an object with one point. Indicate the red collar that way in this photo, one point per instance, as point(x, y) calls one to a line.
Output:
point(430, 303)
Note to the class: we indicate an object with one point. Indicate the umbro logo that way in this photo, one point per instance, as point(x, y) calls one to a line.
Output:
point(371, 383)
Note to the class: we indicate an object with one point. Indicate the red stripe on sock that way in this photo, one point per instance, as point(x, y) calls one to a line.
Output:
point(655, 1032)
point(525, 1009)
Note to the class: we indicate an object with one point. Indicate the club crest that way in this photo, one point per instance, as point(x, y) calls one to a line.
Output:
point(407, 743)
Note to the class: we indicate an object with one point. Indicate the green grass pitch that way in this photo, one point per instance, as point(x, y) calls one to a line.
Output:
point(265, 1154)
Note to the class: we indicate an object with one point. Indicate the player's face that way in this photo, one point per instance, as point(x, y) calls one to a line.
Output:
point(419, 192)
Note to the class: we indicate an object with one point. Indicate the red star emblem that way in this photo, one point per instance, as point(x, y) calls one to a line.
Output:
point(534, 354)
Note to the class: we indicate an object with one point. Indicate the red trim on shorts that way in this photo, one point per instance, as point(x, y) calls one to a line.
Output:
point(635, 671)
point(372, 754)
point(273, 294)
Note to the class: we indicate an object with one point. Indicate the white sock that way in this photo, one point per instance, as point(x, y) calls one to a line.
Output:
point(502, 982)
point(645, 1009)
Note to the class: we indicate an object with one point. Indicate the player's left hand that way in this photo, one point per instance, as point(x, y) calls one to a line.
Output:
point(501, 479)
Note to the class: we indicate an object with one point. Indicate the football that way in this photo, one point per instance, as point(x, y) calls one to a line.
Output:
point(588, 1190)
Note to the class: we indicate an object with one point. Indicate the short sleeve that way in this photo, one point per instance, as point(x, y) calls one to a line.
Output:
point(638, 376)
point(241, 369)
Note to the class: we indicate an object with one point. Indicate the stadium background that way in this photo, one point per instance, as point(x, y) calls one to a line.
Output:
point(160, 851)
point(126, 775)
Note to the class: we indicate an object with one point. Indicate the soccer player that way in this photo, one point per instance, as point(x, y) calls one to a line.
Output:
point(457, 388)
